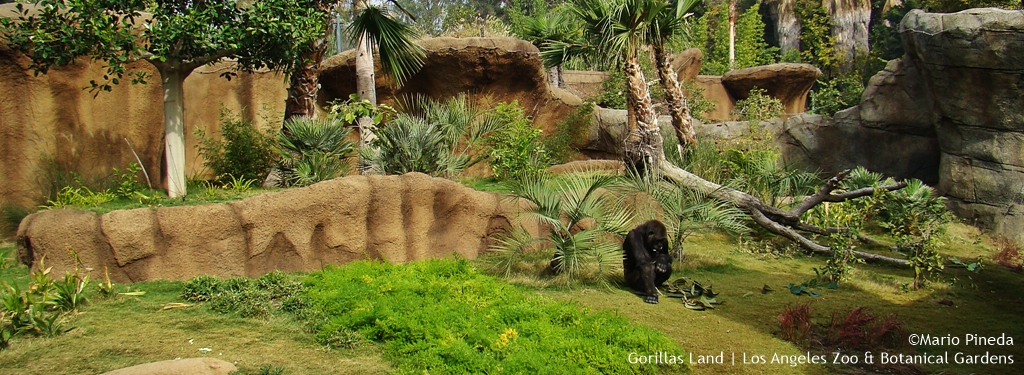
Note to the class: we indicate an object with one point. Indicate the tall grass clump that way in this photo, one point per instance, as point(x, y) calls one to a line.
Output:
point(442, 316)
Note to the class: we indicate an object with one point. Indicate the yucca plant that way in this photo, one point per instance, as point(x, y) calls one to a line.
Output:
point(683, 211)
point(586, 224)
point(313, 150)
point(430, 137)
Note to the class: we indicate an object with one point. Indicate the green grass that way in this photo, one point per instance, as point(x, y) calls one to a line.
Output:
point(446, 317)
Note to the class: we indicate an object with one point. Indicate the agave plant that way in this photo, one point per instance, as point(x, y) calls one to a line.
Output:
point(683, 211)
point(313, 150)
point(430, 137)
point(586, 224)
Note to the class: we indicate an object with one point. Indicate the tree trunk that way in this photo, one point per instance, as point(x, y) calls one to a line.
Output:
point(366, 84)
point(555, 76)
point(305, 82)
point(679, 109)
point(732, 34)
point(642, 151)
point(172, 78)
point(787, 26)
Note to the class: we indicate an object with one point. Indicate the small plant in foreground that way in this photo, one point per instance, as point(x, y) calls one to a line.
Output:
point(1010, 256)
point(795, 323)
point(127, 181)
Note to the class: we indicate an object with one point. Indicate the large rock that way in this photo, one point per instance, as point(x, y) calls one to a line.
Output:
point(489, 69)
point(687, 64)
point(787, 82)
point(188, 366)
point(896, 99)
point(971, 67)
point(831, 145)
point(393, 218)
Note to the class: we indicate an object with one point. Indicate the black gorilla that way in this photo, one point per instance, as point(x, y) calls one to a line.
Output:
point(646, 263)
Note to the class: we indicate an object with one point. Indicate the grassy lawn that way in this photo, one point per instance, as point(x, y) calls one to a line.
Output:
point(128, 330)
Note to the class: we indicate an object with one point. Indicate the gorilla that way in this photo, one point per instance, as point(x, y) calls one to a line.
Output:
point(646, 262)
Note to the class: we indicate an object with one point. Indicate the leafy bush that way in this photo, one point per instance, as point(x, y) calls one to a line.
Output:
point(834, 95)
point(127, 181)
point(243, 151)
point(40, 310)
point(430, 137)
point(442, 316)
point(515, 148)
point(758, 106)
point(569, 132)
point(313, 150)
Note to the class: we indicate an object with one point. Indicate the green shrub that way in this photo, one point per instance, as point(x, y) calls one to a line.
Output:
point(834, 95)
point(436, 138)
point(711, 35)
point(569, 133)
point(516, 147)
point(313, 150)
point(127, 181)
point(442, 316)
point(243, 150)
point(249, 298)
point(758, 106)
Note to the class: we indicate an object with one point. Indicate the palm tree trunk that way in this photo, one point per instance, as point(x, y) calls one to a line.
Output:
point(304, 82)
point(642, 151)
point(679, 109)
point(366, 84)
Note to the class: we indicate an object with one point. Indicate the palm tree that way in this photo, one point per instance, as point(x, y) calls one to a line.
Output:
point(553, 27)
point(671, 21)
point(400, 58)
point(304, 80)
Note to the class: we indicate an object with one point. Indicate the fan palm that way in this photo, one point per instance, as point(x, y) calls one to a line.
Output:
point(400, 58)
point(582, 219)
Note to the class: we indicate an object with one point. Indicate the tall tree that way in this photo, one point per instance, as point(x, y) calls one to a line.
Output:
point(304, 80)
point(174, 36)
point(400, 58)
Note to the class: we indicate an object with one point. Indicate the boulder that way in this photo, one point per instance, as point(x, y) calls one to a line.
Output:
point(488, 69)
point(392, 218)
point(687, 64)
point(187, 366)
point(608, 132)
point(787, 82)
point(896, 99)
point(970, 66)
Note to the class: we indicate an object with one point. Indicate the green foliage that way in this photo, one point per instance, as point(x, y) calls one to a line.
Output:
point(242, 152)
point(758, 106)
point(40, 309)
point(613, 91)
point(833, 95)
point(400, 58)
point(348, 111)
point(313, 150)
point(952, 6)
point(699, 104)
point(81, 197)
point(569, 133)
point(127, 181)
point(441, 316)
point(818, 46)
point(711, 33)
point(249, 298)
point(516, 149)
point(436, 138)
point(586, 225)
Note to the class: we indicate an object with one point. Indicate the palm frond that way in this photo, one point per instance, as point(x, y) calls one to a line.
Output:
point(399, 56)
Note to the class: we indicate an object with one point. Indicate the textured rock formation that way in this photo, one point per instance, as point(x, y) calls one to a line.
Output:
point(896, 99)
point(687, 64)
point(787, 82)
point(187, 366)
point(972, 71)
point(493, 69)
point(394, 218)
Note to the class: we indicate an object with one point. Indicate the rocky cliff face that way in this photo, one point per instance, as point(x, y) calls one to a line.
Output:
point(971, 65)
point(393, 218)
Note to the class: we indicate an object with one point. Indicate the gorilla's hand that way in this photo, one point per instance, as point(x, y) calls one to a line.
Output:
point(651, 299)
point(661, 267)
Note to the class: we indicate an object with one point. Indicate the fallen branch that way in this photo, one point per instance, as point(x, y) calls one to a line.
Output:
point(786, 223)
